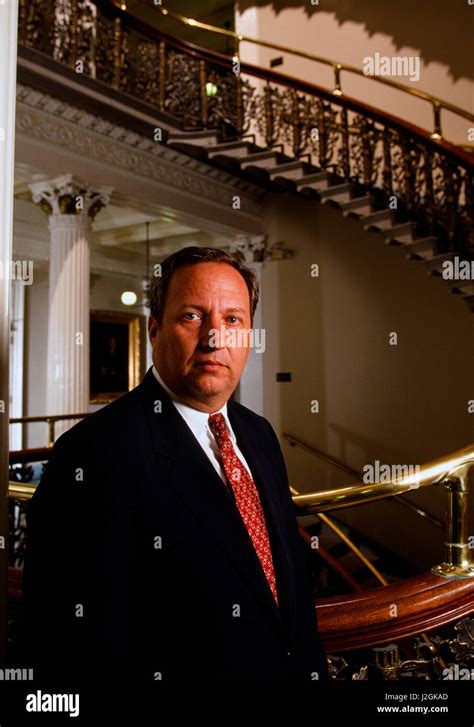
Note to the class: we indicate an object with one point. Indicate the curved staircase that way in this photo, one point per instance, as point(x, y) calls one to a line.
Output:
point(278, 171)
point(410, 186)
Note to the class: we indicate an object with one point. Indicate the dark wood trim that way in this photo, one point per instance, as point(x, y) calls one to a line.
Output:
point(22, 456)
point(423, 603)
point(15, 581)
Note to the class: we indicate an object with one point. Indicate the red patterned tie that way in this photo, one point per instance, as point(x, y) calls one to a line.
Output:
point(246, 497)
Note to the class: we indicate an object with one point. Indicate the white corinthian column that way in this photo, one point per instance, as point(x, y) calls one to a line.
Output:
point(70, 206)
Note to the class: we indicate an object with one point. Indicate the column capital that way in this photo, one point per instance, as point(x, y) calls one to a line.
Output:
point(249, 248)
point(254, 249)
point(66, 195)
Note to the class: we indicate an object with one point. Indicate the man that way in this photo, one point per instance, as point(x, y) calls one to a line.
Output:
point(163, 544)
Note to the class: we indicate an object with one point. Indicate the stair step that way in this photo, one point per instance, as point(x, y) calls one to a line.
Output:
point(194, 138)
point(233, 149)
point(469, 299)
point(400, 233)
point(358, 206)
point(338, 193)
point(291, 170)
point(462, 287)
point(316, 181)
point(425, 247)
point(381, 220)
point(435, 264)
point(262, 159)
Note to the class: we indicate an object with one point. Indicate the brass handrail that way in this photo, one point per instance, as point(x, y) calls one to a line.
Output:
point(357, 551)
point(350, 544)
point(432, 473)
point(437, 103)
point(22, 491)
point(50, 419)
point(295, 442)
point(451, 471)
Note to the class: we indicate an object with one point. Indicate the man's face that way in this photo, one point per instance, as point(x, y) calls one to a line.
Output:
point(198, 363)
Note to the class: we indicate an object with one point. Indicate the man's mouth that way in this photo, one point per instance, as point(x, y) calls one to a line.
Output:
point(209, 364)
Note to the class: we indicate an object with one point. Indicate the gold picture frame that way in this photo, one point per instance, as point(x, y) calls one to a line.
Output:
point(114, 354)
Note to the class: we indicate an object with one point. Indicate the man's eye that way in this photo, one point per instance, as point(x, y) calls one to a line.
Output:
point(233, 319)
point(188, 316)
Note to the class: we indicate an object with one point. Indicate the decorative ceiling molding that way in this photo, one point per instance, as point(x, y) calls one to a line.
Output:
point(48, 120)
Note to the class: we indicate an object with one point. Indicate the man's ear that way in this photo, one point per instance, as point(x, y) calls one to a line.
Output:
point(152, 328)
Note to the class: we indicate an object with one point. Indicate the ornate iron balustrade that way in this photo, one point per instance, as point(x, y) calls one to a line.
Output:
point(440, 657)
point(438, 105)
point(427, 180)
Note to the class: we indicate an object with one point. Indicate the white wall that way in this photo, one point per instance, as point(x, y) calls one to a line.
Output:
point(404, 404)
point(345, 31)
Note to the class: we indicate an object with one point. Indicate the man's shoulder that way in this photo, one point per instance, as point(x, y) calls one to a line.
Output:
point(118, 414)
point(251, 418)
point(243, 411)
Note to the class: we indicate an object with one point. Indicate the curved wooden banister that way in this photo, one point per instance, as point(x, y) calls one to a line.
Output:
point(23, 456)
point(214, 57)
point(15, 581)
point(365, 619)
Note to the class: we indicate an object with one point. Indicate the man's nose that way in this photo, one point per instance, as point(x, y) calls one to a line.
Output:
point(212, 333)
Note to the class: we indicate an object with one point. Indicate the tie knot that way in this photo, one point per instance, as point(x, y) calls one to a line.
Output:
point(217, 425)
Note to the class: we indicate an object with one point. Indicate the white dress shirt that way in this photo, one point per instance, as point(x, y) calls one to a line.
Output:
point(197, 421)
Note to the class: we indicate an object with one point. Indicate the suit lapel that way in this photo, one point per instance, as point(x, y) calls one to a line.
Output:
point(194, 480)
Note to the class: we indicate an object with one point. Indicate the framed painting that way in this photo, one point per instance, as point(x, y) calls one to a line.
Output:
point(114, 355)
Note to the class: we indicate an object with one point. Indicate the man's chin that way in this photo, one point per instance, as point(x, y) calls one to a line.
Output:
point(210, 383)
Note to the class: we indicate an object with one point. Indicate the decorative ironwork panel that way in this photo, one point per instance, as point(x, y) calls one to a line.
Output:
point(36, 20)
point(433, 658)
point(182, 98)
point(105, 49)
point(145, 63)
point(222, 100)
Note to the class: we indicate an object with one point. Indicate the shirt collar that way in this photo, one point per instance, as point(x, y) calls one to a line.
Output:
point(195, 418)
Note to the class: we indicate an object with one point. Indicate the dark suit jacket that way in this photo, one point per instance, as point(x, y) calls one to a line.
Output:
point(139, 565)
